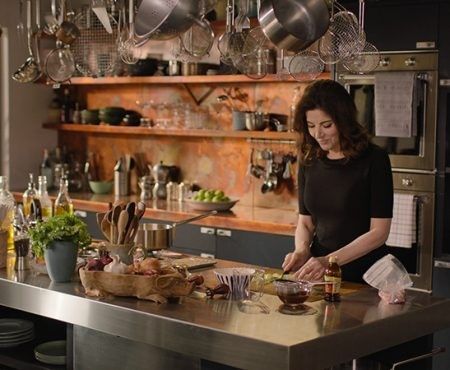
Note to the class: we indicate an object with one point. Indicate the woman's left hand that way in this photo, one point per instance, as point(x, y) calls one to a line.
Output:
point(312, 270)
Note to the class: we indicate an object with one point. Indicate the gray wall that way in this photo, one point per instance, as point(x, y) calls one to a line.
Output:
point(23, 108)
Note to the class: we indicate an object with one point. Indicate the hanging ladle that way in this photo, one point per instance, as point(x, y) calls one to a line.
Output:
point(29, 71)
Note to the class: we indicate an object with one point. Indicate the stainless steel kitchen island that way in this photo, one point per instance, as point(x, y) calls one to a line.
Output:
point(127, 333)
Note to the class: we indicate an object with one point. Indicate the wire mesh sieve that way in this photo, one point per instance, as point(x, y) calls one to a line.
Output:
point(95, 50)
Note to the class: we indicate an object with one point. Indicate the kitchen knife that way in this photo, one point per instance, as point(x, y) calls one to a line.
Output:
point(99, 8)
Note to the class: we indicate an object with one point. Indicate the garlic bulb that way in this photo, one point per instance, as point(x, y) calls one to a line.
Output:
point(115, 266)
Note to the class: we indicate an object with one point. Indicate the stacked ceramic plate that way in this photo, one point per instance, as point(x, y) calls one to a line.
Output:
point(53, 353)
point(15, 331)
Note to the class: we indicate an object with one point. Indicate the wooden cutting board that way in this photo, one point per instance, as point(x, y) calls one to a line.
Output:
point(193, 263)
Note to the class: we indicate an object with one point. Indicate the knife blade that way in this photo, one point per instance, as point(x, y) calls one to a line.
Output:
point(99, 8)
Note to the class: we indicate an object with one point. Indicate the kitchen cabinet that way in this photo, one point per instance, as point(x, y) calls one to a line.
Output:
point(441, 288)
point(22, 357)
point(250, 247)
point(194, 239)
point(257, 248)
point(91, 221)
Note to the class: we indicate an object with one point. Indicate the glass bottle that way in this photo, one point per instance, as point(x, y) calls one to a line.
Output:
point(46, 169)
point(90, 167)
point(7, 211)
point(76, 178)
point(76, 118)
point(28, 196)
point(46, 203)
point(57, 168)
point(333, 275)
point(63, 203)
point(67, 107)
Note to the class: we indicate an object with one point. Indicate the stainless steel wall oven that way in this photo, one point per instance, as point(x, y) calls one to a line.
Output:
point(413, 158)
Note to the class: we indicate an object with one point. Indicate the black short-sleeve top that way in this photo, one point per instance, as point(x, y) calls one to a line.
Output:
point(343, 195)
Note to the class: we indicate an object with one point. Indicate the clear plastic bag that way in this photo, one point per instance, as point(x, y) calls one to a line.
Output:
point(390, 277)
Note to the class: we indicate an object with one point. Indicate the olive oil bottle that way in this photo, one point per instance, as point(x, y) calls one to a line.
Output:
point(46, 203)
point(28, 196)
point(333, 276)
point(63, 203)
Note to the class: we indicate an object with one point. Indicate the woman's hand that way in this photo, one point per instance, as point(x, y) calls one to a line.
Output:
point(312, 270)
point(294, 260)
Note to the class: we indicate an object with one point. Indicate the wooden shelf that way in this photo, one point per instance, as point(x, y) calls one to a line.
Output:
point(162, 80)
point(145, 131)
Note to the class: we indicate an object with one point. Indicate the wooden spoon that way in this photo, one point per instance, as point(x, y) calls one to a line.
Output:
point(122, 226)
point(140, 209)
point(105, 227)
point(115, 219)
point(100, 217)
point(130, 208)
point(132, 230)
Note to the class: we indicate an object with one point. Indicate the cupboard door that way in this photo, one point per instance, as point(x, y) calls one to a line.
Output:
point(196, 238)
point(91, 221)
point(252, 247)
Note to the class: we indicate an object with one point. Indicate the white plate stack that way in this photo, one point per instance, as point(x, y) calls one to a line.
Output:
point(53, 353)
point(15, 331)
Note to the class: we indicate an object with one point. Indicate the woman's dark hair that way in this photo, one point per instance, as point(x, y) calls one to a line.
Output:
point(332, 98)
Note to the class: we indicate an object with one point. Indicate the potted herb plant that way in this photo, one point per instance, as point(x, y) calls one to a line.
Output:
point(58, 239)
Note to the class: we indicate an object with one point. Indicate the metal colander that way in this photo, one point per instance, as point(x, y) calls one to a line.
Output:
point(95, 50)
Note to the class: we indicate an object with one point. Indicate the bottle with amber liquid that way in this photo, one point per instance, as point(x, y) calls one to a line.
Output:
point(63, 203)
point(28, 196)
point(333, 275)
point(46, 203)
point(7, 204)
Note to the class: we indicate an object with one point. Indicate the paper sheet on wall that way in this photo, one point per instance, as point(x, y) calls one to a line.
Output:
point(395, 104)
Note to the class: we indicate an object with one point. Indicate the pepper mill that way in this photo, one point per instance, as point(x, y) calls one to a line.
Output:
point(21, 247)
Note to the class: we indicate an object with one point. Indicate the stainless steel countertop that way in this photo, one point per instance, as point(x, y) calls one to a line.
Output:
point(216, 330)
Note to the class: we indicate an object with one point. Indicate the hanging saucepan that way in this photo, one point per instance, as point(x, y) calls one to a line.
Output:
point(165, 19)
point(294, 24)
point(159, 236)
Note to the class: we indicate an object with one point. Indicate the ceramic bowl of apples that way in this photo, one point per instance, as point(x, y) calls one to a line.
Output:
point(210, 200)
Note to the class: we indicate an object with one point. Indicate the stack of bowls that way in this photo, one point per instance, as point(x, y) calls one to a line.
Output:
point(112, 115)
point(90, 116)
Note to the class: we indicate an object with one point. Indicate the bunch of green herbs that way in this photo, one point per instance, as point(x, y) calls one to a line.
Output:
point(65, 227)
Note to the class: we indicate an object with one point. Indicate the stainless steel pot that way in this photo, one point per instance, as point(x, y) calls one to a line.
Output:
point(165, 19)
point(294, 24)
point(159, 236)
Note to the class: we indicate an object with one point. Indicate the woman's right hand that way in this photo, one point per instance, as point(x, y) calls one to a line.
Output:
point(294, 260)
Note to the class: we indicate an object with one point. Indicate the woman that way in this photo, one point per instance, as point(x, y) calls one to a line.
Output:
point(345, 188)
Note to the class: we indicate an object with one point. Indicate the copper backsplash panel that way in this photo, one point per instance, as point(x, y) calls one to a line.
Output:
point(210, 162)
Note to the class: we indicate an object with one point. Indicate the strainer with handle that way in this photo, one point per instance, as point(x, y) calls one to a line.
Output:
point(95, 50)
point(367, 59)
point(198, 39)
point(343, 38)
point(306, 65)
point(60, 64)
